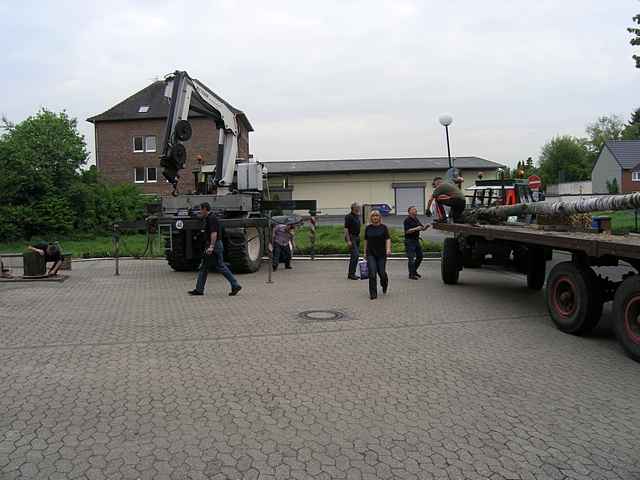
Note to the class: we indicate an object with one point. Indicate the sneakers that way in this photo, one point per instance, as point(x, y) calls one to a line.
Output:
point(234, 291)
point(195, 292)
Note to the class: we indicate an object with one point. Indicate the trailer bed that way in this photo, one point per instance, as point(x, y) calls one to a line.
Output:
point(592, 244)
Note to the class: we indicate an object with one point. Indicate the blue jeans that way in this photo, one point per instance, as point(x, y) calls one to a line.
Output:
point(414, 254)
point(217, 259)
point(355, 255)
point(377, 267)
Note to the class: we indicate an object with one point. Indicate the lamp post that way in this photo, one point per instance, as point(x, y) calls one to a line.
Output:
point(445, 121)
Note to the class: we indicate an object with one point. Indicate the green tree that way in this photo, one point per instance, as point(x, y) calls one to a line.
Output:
point(612, 186)
point(43, 191)
point(564, 159)
point(632, 130)
point(603, 129)
point(635, 41)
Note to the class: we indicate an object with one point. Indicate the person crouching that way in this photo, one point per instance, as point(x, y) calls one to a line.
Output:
point(281, 244)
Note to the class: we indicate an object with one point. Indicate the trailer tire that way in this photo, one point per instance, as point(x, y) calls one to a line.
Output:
point(244, 248)
point(451, 262)
point(573, 298)
point(626, 316)
point(536, 268)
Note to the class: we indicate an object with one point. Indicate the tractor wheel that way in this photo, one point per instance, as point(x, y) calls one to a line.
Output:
point(176, 256)
point(536, 268)
point(626, 316)
point(451, 263)
point(574, 299)
point(244, 248)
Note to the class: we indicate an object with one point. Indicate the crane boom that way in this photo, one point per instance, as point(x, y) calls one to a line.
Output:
point(188, 94)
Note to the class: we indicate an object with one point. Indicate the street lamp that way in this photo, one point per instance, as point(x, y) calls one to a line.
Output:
point(445, 121)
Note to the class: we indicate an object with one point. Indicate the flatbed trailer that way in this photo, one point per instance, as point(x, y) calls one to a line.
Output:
point(574, 293)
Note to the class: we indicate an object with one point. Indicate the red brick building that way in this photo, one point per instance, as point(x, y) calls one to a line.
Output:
point(129, 135)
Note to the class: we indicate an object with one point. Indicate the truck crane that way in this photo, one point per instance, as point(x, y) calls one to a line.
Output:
point(233, 188)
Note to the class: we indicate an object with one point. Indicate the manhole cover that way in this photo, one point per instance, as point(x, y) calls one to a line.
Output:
point(321, 315)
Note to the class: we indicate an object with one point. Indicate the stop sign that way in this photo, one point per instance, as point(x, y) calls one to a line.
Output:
point(535, 182)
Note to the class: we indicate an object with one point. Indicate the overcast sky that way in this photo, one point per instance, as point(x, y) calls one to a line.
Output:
point(338, 79)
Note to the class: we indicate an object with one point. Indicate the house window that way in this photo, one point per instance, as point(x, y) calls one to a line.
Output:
point(145, 143)
point(138, 144)
point(635, 176)
point(138, 175)
point(152, 175)
point(143, 109)
point(150, 143)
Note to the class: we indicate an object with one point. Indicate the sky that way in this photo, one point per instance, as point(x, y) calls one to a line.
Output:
point(338, 79)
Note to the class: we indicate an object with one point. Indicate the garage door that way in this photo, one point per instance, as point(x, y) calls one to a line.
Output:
point(407, 196)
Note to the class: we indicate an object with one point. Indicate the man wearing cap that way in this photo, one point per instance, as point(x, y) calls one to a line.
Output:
point(352, 224)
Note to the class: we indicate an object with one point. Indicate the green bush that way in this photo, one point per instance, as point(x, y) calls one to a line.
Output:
point(43, 190)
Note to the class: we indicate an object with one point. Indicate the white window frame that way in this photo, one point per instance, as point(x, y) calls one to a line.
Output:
point(147, 173)
point(635, 176)
point(155, 143)
point(134, 143)
point(135, 176)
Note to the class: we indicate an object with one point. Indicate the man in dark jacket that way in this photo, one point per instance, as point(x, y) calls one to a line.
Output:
point(51, 253)
point(213, 254)
point(352, 224)
point(412, 229)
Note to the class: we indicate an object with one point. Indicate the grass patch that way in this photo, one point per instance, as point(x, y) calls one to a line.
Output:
point(329, 241)
point(622, 221)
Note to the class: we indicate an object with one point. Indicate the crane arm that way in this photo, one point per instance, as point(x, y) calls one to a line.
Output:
point(184, 94)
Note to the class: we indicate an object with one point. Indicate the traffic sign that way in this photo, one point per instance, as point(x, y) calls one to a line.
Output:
point(535, 182)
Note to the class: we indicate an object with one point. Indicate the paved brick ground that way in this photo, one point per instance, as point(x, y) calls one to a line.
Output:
point(128, 377)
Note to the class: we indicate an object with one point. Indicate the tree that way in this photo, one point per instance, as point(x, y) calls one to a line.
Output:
point(612, 186)
point(632, 130)
point(564, 159)
point(42, 190)
point(635, 41)
point(603, 129)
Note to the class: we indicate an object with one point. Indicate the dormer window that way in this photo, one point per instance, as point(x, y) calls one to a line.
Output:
point(143, 109)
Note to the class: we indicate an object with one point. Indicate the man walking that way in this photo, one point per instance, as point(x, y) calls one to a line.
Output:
point(352, 224)
point(412, 229)
point(213, 254)
point(281, 244)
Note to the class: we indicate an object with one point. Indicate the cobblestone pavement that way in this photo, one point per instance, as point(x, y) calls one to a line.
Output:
point(128, 377)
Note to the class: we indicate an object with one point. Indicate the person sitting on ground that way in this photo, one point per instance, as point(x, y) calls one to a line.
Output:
point(448, 194)
point(281, 244)
point(51, 253)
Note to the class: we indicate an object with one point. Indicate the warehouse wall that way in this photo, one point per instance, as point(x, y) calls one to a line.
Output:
point(336, 191)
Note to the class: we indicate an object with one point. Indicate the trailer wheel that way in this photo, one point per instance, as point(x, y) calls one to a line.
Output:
point(573, 298)
point(626, 316)
point(451, 263)
point(536, 268)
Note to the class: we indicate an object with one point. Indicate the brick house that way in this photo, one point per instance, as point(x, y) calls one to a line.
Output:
point(128, 140)
point(619, 160)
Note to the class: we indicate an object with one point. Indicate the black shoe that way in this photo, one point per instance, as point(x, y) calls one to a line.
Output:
point(373, 297)
point(418, 275)
point(413, 277)
point(288, 267)
point(234, 291)
point(353, 277)
point(275, 268)
point(195, 292)
point(385, 288)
